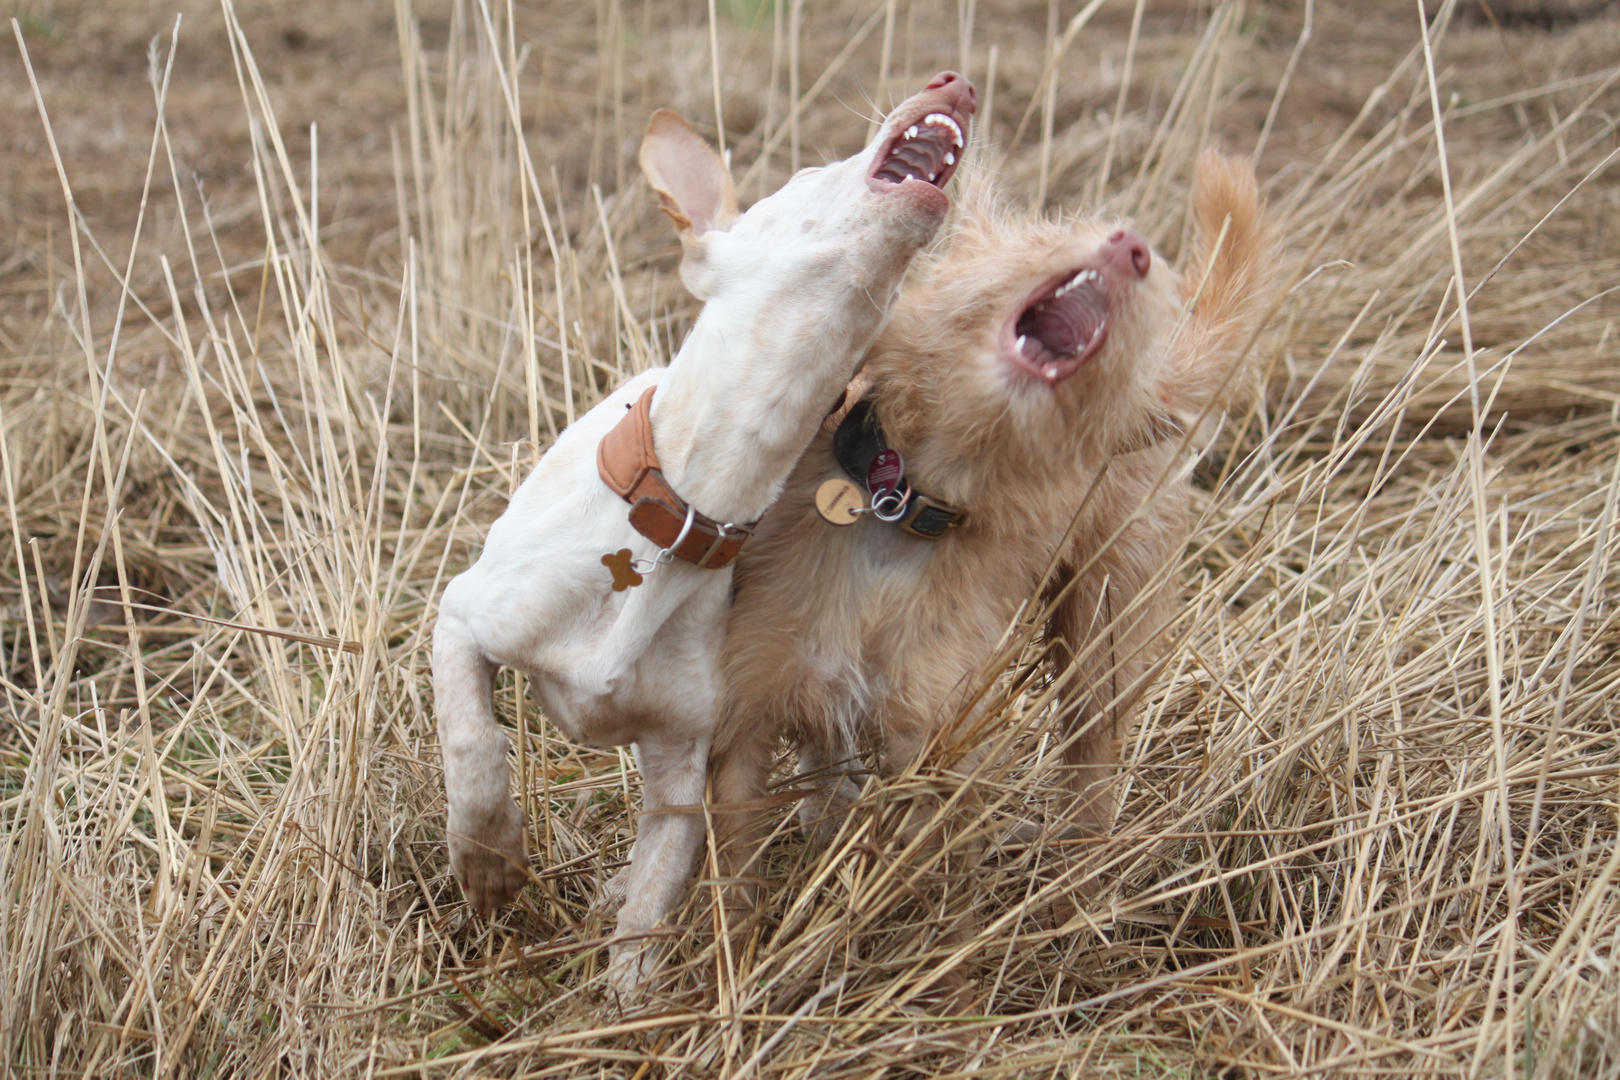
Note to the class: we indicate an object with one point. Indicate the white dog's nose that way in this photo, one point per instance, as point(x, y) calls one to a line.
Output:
point(966, 98)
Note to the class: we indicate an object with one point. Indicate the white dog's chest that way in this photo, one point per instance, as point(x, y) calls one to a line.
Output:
point(672, 679)
point(608, 668)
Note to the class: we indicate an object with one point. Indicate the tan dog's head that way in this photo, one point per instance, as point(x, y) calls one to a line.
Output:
point(1060, 341)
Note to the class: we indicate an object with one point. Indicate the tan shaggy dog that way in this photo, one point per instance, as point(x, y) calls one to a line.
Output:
point(1037, 379)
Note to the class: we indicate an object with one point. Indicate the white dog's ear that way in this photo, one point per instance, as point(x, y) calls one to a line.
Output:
point(693, 186)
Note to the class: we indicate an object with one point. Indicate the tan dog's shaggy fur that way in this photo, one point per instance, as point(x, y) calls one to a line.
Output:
point(864, 633)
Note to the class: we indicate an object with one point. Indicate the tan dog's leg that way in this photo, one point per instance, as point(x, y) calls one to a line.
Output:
point(1110, 652)
point(825, 764)
point(740, 771)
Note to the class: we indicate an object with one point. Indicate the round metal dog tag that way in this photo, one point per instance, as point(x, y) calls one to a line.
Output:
point(885, 471)
point(839, 501)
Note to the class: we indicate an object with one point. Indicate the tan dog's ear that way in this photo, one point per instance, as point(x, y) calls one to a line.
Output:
point(693, 186)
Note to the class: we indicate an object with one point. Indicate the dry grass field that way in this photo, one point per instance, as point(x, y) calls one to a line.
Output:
point(292, 296)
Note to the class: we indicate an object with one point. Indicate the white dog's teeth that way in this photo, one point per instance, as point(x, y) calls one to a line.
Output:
point(911, 132)
point(944, 121)
point(950, 158)
point(1052, 372)
point(932, 177)
point(1020, 343)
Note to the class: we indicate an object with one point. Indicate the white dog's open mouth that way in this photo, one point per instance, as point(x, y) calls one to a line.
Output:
point(926, 150)
point(1062, 324)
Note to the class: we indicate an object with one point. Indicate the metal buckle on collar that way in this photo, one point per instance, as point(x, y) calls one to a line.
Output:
point(930, 519)
point(722, 534)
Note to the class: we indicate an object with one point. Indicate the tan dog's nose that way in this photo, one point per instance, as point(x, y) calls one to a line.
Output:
point(967, 99)
point(1127, 253)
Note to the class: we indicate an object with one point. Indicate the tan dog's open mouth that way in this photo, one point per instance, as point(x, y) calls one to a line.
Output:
point(1065, 320)
point(1063, 323)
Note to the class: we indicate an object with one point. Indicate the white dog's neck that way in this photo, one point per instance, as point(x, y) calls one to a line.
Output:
point(733, 415)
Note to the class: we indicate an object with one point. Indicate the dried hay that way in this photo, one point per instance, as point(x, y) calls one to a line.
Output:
point(1369, 822)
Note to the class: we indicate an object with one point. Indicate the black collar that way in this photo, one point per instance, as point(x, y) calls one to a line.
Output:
point(857, 440)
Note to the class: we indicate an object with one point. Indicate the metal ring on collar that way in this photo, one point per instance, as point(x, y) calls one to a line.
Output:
point(665, 556)
point(890, 504)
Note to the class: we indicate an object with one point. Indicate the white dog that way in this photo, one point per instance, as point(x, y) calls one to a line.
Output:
point(795, 291)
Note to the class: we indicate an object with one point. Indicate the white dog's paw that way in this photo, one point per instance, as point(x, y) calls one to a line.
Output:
point(629, 967)
point(490, 858)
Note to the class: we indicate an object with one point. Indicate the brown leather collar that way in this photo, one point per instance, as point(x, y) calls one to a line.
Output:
point(628, 464)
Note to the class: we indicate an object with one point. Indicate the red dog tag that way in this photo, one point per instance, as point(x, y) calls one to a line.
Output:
point(885, 471)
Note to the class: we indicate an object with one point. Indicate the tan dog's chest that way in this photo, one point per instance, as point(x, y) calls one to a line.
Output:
point(863, 622)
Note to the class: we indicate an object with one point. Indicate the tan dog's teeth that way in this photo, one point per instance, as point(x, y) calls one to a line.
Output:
point(1075, 282)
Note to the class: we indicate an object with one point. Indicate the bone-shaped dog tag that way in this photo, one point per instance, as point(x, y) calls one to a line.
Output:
point(624, 574)
point(839, 502)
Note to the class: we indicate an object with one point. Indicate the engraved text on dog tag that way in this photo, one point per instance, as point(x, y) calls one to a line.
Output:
point(839, 501)
point(624, 575)
point(885, 471)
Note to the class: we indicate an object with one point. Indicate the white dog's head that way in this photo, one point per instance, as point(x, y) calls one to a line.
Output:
point(851, 227)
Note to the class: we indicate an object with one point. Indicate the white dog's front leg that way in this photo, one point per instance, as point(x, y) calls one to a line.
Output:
point(485, 826)
point(662, 858)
